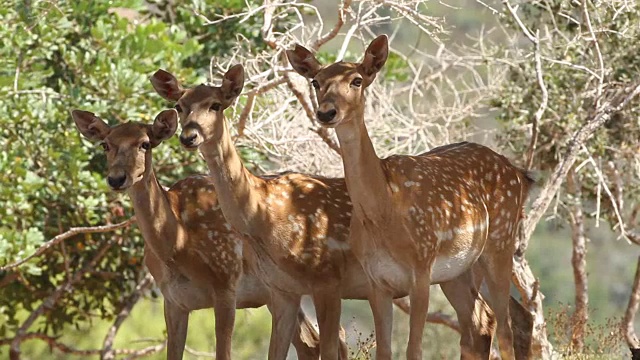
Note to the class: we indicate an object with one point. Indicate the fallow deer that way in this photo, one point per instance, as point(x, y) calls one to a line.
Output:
point(298, 224)
point(195, 257)
point(418, 219)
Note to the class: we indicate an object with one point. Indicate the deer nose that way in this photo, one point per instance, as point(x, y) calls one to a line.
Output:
point(189, 137)
point(116, 182)
point(326, 116)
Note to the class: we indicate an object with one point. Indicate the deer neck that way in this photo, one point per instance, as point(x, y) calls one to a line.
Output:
point(237, 188)
point(156, 219)
point(364, 173)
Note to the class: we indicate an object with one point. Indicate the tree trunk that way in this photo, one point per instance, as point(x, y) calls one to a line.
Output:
point(579, 262)
point(630, 316)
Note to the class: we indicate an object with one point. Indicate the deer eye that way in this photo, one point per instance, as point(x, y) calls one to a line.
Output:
point(315, 84)
point(145, 145)
point(357, 82)
point(178, 108)
point(215, 107)
point(105, 146)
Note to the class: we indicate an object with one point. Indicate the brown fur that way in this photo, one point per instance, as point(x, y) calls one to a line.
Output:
point(298, 224)
point(432, 215)
point(197, 260)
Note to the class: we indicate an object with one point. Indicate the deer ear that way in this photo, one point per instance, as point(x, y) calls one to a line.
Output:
point(374, 58)
point(164, 126)
point(233, 82)
point(303, 61)
point(90, 126)
point(166, 85)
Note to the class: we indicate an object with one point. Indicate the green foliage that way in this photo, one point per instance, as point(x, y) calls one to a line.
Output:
point(572, 95)
point(573, 90)
point(57, 56)
point(219, 38)
point(145, 327)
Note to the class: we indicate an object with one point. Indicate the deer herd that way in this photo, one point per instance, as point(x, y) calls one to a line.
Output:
point(391, 228)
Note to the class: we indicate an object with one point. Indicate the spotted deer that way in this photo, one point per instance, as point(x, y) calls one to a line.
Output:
point(196, 258)
point(298, 224)
point(423, 219)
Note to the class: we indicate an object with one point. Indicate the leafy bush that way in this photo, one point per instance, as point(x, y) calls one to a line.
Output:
point(63, 55)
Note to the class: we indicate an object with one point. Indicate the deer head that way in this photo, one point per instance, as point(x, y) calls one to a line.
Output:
point(127, 146)
point(201, 108)
point(340, 86)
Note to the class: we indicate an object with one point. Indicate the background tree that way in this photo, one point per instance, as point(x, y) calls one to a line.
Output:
point(572, 110)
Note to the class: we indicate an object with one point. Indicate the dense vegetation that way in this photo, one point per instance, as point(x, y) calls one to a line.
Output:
point(97, 55)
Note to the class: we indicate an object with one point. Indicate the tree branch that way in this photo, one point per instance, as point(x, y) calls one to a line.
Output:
point(49, 302)
point(632, 309)
point(579, 262)
point(551, 187)
point(433, 317)
point(336, 28)
point(107, 352)
point(71, 232)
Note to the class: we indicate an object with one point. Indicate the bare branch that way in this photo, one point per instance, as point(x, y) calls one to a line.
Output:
point(50, 302)
point(596, 45)
point(107, 352)
point(514, 14)
point(550, 189)
point(53, 344)
point(436, 318)
point(543, 104)
point(344, 7)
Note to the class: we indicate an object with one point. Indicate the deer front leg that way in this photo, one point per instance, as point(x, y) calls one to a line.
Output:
point(225, 314)
point(284, 311)
point(327, 302)
point(177, 321)
point(381, 302)
point(419, 297)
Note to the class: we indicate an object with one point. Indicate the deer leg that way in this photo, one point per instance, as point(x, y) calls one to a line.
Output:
point(327, 302)
point(419, 297)
point(474, 316)
point(177, 321)
point(284, 311)
point(225, 314)
point(381, 303)
point(497, 268)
